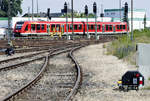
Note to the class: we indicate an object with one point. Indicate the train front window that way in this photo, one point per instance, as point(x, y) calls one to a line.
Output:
point(19, 25)
point(26, 29)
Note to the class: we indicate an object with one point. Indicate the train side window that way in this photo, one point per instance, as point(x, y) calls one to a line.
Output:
point(89, 28)
point(32, 27)
point(70, 27)
point(38, 26)
point(42, 27)
point(92, 27)
point(75, 27)
point(99, 27)
point(52, 27)
point(110, 27)
point(124, 27)
point(80, 27)
point(118, 27)
point(26, 29)
point(107, 28)
point(58, 27)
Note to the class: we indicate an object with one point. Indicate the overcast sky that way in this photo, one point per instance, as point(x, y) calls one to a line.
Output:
point(57, 5)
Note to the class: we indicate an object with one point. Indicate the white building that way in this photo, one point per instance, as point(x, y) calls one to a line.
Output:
point(115, 13)
point(138, 17)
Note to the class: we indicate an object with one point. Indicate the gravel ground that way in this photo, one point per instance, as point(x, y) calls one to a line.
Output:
point(100, 75)
point(56, 82)
point(12, 80)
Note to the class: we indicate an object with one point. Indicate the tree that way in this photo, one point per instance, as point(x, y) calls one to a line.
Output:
point(15, 6)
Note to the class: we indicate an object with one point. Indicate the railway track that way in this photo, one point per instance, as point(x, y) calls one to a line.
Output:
point(37, 77)
point(37, 53)
point(73, 86)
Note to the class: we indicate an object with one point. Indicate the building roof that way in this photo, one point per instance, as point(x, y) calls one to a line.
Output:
point(122, 9)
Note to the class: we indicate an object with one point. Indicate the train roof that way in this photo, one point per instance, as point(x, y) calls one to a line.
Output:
point(46, 22)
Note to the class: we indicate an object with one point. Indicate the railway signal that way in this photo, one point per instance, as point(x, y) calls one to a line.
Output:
point(131, 80)
point(66, 11)
point(126, 12)
point(48, 13)
point(95, 12)
point(86, 13)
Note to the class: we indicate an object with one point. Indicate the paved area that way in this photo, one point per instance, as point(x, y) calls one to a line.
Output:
point(101, 73)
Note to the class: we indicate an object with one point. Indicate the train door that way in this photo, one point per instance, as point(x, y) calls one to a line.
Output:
point(98, 28)
point(62, 29)
point(38, 28)
point(83, 28)
point(58, 28)
point(48, 29)
point(114, 28)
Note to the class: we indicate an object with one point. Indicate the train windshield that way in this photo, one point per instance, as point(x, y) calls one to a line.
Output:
point(19, 25)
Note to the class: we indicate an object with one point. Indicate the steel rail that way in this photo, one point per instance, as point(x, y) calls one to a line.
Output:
point(30, 83)
point(79, 75)
point(30, 55)
point(26, 62)
point(12, 95)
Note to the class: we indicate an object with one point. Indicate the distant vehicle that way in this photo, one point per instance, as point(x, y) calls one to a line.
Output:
point(28, 28)
point(3, 32)
point(131, 80)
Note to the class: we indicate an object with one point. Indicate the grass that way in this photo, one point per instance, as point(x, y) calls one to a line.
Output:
point(123, 47)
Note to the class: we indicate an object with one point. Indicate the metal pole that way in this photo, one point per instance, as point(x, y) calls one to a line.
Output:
point(131, 20)
point(32, 9)
point(87, 27)
point(72, 16)
point(9, 21)
point(29, 13)
point(120, 8)
point(67, 25)
point(102, 11)
point(37, 7)
point(96, 26)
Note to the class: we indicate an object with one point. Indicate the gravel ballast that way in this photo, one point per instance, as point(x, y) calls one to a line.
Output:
point(57, 82)
point(100, 75)
point(12, 80)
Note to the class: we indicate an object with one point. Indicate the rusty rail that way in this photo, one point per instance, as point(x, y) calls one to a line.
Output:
point(79, 75)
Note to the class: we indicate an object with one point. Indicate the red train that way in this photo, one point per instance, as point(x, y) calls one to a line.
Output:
point(27, 28)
